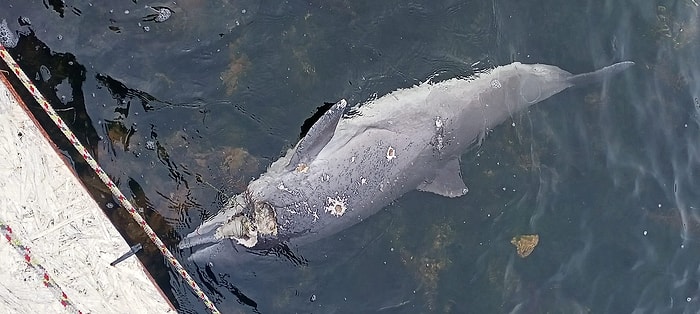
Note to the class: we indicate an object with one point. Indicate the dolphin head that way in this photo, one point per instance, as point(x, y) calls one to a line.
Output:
point(537, 82)
point(230, 223)
point(242, 220)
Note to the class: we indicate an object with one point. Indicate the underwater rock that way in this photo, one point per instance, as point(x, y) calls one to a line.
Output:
point(525, 244)
point(236, 68)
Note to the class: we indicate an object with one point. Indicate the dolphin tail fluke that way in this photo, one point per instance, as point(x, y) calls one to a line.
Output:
point(599, 75)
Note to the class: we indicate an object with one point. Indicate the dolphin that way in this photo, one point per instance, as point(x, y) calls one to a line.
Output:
point(350, 165)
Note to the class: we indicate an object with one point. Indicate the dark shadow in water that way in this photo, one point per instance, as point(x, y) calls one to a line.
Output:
point(59, 6)
point(283, 252)
point(36, 58)
point(215, 282)
point(121, 93)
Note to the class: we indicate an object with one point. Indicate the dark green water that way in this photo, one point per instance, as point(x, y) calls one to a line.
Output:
point(606, 175)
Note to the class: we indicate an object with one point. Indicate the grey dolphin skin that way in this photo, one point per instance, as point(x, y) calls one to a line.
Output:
point(347, 168)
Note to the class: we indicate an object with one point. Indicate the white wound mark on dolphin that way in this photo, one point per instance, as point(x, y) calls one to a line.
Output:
point(438, 123)
point(161, 14)
point(390, 153)
point(302, 168)
point(352, 159)
point(282, 187)
point(495, 83)
point(363, 181)
point(439, 140)
point(336, 207)
point(7, 37)
point(304, 206)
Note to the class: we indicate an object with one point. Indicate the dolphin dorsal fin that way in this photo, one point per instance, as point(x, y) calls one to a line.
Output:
point(318, 136)
point(447, 181)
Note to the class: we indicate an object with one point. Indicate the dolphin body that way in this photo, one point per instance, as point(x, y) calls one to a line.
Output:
point(346, 168)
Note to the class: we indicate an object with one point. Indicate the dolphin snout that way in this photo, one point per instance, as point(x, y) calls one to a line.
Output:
point(204, 234)
point(225, 225)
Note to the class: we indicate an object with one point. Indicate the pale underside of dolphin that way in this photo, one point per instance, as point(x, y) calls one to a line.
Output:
point(347, 168)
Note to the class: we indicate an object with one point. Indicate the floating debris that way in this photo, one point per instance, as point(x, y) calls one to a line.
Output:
point(525, 244)
point(7, 37)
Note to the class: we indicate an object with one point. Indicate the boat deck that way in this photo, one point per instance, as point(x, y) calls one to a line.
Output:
point(59, 244)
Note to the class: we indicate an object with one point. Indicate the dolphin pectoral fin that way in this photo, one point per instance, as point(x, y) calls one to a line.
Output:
point(447, 182)
point(318, 136)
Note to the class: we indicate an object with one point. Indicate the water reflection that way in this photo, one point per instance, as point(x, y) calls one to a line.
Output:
point(183, 112)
